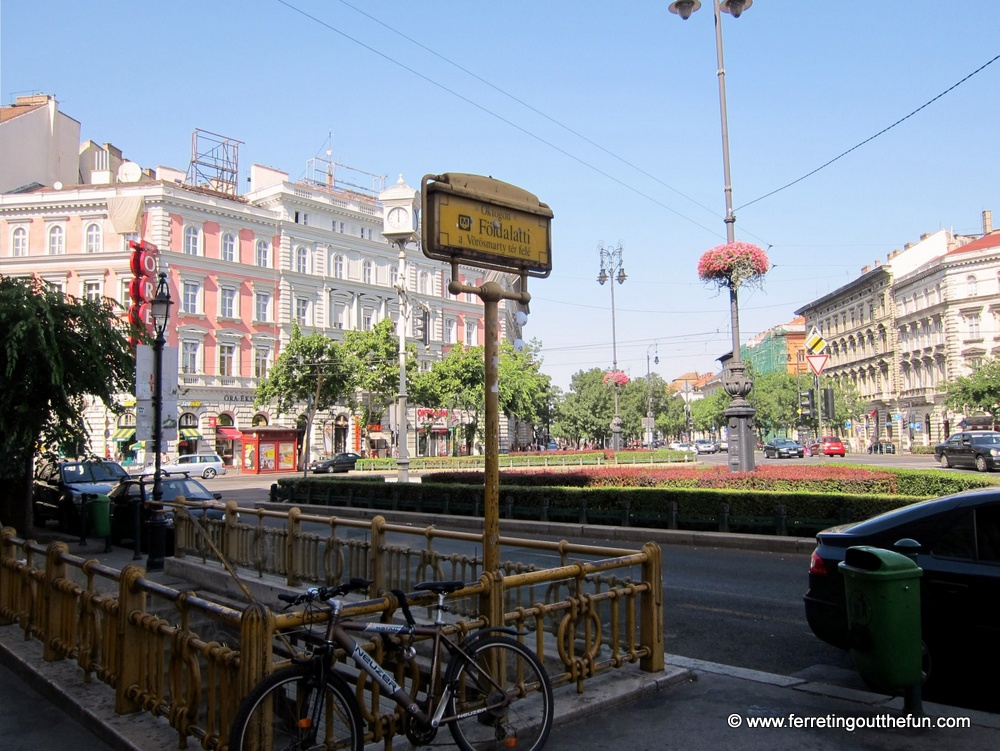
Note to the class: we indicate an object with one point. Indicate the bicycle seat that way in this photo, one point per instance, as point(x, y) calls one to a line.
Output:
point(440, 587)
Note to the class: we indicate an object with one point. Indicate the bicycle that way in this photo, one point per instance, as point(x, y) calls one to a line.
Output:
point(494, 693)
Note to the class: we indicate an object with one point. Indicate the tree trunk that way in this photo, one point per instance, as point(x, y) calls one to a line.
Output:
point(15, 500)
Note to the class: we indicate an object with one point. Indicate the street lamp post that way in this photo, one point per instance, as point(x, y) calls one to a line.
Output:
point(649, 412)
point(738, 385)
point(612, 268)
point(160, 310)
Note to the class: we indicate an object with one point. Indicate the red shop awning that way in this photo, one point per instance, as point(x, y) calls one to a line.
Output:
point(230, 434)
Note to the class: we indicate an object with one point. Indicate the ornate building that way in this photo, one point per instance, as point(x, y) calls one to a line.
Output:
point(241, 269)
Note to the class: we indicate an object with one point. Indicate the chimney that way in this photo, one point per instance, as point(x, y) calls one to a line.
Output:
point(865, 269)
point(987, 222)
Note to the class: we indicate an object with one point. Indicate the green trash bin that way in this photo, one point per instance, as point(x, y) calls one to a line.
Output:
point(99, 515)
point(882, 590)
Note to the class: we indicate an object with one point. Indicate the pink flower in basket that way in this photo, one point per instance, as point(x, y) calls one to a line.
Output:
point(616, 377)
point(733, 265)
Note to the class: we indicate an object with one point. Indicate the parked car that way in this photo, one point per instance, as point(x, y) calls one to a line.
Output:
point(882, 447)
point(135, 493)
point(683, 446)
point(340, 463)
point(828, 445)
point(58, 488)
point(958, 540)
point(783, 448)
point(705, 446)
point(971, 448)
point(205, 466)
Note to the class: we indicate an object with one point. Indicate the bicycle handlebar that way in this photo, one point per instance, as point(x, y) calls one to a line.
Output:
point(312, 594)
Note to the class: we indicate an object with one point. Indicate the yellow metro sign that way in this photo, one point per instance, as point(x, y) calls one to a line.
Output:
point(484, 222)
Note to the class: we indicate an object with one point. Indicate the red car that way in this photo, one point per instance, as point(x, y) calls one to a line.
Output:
point(829, 445)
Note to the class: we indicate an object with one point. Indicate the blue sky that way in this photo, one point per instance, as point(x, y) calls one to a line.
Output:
point(608, 112)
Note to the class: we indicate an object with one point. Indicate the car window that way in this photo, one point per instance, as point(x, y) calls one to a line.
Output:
point(988, 533)
point(959, 541)
point(75, 473)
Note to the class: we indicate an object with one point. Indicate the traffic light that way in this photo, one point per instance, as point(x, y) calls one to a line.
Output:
point(421, 327)
point(829, 408)
point(807, 403)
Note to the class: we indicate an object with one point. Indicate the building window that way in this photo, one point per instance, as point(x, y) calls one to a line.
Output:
point(394, 276)
point(449, 331)
point(367, 319)
point(366, 272)
point(471, 337)
point(972, 326)
point(190, 294)
point(423, 286)
point(92, 291)
point(338, 315)
point(262, 306)
point(301, 310)
point(19, 242)
point(229, 248)
point(57, 241)
point(192, 241)
point(301, 259)
point(95, 240)
point(301, 217)
point(338, 267)
point(189, 356)
point(261, 360)
point(263, 253)
point(227, 302)
point(227, 356)
point(970, 286)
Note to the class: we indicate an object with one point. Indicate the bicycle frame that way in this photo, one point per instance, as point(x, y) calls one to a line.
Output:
point(337, 634)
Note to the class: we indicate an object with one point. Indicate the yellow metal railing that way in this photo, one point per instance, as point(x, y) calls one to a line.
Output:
point(168, 652)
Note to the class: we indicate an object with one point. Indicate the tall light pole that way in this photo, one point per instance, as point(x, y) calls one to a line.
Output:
point(400, 225)
point(737, 384)
point(160, 311)
point(612, 268)
point(649, 412)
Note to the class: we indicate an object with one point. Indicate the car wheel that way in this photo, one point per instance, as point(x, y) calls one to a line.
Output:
point(209, 473)
point(945, 462)
point(981, 464)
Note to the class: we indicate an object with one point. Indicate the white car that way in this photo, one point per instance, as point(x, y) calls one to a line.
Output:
point(206, 466)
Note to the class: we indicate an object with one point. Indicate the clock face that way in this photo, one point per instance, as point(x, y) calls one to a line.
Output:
point(397, 218)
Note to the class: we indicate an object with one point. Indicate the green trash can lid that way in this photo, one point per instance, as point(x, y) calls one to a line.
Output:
point(865, 559)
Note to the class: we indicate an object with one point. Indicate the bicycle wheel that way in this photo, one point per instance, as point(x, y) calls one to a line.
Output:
point(287, 711)
point(507, 692)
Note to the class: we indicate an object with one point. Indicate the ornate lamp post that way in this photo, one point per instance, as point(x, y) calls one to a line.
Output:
point(737, 384)
point(612, 268)
point(400, 225)
point(160, 311)
point(649, 412)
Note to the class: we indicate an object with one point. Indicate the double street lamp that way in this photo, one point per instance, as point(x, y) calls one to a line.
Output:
point(160, 311)
point(612, 268)
point(737, 384)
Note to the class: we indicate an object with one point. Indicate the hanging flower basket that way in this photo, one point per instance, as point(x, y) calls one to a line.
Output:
point(733, 265)
point(615, 377)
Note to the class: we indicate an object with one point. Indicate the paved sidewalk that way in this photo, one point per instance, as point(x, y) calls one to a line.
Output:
point(691, 705)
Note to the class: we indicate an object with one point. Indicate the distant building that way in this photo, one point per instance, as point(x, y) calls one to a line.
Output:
point(780, 349)
point(898, 329)
point(241, 269)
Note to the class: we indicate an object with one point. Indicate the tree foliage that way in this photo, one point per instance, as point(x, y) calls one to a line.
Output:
point(978, 392)
point(373, 361)
point(56, 352)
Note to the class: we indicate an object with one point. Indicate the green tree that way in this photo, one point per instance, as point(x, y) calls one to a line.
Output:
point(525, 393)
point(775, 396)
point(56, 351)
point(372, 357)
point(455, 382)
point(672, 420)
point(707, 413)
point(979, 392)
point(312, 370)
point(586, 410)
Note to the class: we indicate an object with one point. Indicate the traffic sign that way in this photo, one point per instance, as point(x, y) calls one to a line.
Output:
point(817, 362)
point(815, 342)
